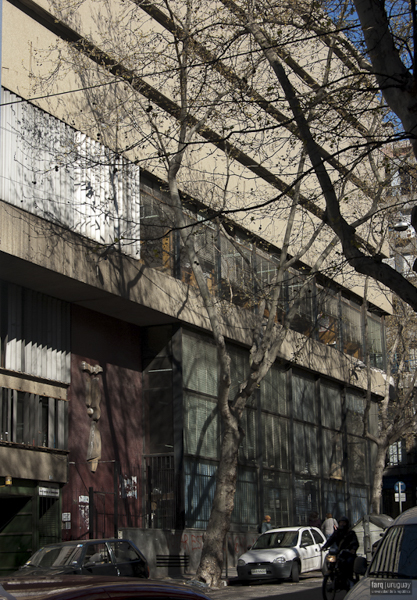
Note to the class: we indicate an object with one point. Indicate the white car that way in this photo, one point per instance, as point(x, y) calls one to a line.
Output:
point(283, 553)
point(393, 569)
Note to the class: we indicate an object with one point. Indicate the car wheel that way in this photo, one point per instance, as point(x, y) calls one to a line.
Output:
point(295, 572)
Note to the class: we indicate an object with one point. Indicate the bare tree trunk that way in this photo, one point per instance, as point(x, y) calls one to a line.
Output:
point(210, 567)
point(378, 473)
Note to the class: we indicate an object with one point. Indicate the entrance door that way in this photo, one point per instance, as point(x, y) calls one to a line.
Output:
point(16, 525)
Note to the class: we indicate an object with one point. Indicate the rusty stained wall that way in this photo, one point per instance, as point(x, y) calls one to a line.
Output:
point(100, 342)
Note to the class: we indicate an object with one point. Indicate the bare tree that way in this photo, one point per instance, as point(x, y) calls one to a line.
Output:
point(397, 415)
point(294, 137)
point(390, 42)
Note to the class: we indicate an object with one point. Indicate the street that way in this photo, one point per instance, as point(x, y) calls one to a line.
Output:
point(308, 588)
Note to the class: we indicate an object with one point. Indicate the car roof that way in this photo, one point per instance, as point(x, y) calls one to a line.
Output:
point(67, 587)
point(409, 517)
point(295, 528)
point(84, 542)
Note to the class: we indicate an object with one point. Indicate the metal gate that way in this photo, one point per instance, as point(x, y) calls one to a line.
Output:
point(161, 492)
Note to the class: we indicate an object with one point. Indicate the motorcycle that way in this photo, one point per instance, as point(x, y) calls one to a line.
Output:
point(336, 574)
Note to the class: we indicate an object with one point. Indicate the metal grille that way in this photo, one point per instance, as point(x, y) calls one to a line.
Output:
point(161, 492)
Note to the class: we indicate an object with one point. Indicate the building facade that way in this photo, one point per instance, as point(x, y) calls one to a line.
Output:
point(401, 456)
point(109, 373)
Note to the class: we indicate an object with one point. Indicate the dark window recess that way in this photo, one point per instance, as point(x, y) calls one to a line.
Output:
point(161, 492)
point(32, 420)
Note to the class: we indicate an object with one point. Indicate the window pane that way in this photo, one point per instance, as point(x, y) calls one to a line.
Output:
point(375, 343)
point(302, 298)
point(200, 485)
point(247, 450)
point(331, 405)
point(358, 502)
point(357, 459)
point(201, 426)
point(246, 498)
point(305, 449)
point(275, 432)
point(303, 397)
point(277, 497)
point(328, 318)
point(355, 408)
point(306, 499)
point(20, 402)
point(200, 365)
point(352, 330)
point(332, 454)
point(334, 497)
point(274, 391)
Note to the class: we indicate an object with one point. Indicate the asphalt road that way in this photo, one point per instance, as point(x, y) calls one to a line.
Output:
point(308, 588)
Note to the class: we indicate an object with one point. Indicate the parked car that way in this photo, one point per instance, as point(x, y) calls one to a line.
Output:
point(283, 553)
point(393, 567)
point(119, 558)
point(81, 587)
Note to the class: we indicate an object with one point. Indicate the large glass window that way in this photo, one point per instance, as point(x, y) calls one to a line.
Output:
point(358, 502)
point(156, 240)
point(396, 452)
point(236, 272)
point(199, 365)
point(246, 498)
point(277, 500)
point(332, 454)
point(303, 398)
point(275, 434)
point(274, 391)
point(307, 499)
point(355, 408)
point(352, 329)
point(328, 318)
point(247, 450)
point(204, 239)
point(331, 405)
point(200, 485)
point(375, 342)
point(334, 497)
point(357, 459)
point(301, 297)
point(201, 426)
point(306, 449)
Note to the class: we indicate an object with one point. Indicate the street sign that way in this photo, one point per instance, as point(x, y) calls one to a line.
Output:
point(399, 489)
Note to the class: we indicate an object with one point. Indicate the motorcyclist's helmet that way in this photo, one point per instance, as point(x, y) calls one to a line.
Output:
point(343, 522)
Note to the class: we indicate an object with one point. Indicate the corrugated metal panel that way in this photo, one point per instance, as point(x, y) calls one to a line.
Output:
point(37, 340)
point(57, 173)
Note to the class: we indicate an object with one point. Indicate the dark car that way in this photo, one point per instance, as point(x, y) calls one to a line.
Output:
point(68, 587)
point(114, 557)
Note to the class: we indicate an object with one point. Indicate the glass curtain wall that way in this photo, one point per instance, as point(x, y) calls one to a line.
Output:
point(302, 451)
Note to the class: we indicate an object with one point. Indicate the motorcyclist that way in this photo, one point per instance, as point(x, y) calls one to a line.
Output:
point(345, 539)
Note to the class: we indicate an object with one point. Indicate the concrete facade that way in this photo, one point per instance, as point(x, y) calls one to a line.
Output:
point(108, 371)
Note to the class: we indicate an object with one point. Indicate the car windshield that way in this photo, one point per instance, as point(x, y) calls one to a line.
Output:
point(276, 539)
point(397, 554)
point(55, 556)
